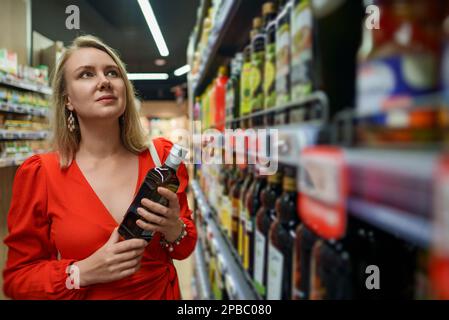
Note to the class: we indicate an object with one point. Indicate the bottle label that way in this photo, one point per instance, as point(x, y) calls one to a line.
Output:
point(245, 90)
point(246, 243)
point(243, 213)
point(394, 82)
point(275, 269)
point(301, 50)
point(283, 64)
point(269, 76)
point(230, 96)
point(235, 215)
point(226, 215)
point(259, 262)
point(257, 81)
point(323, 186)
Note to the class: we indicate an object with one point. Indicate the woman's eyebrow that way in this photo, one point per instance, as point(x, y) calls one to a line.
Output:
point(92, 67)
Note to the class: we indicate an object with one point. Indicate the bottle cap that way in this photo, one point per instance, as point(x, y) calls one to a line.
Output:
point(257, 23)
point(268, 8)
point(223, 71)
point(176, 156)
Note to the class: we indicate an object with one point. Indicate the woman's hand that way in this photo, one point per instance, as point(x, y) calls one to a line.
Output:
point(161, 219)
point(113, 261)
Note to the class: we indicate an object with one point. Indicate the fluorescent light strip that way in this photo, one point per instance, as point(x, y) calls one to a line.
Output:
point(147, 76)
point(183, 70)
point(148, 13)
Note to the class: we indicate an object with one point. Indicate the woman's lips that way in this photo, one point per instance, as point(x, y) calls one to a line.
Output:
point(107, 99)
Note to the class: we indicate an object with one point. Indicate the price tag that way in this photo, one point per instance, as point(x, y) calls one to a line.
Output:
point(323, 188)
point(439, 262)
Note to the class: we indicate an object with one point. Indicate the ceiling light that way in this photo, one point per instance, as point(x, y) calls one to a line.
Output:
point(160, 62)
point(147, 76)
point(183, 70)
point(148, 13)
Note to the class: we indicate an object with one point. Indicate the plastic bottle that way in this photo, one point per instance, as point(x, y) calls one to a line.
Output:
point(164, 176)
point(220, 98)
point(301, 49)
point(270, 65)
point(283, 60)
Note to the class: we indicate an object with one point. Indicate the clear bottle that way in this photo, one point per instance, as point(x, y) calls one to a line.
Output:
point(270, 64)
point(283, 60)
point(164, 176)
point(245, 87)
point(265, 216)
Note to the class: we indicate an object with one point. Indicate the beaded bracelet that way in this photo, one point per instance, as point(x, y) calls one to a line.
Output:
point(181, 236)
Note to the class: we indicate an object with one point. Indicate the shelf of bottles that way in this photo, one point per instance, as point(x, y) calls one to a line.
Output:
point(233, 278)
point(377, 131)
point(201, 272)
point(24, 116)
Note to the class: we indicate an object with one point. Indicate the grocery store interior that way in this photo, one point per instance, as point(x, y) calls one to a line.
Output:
point(317, 132)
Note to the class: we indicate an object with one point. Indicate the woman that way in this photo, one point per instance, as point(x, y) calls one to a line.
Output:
point(66, 206)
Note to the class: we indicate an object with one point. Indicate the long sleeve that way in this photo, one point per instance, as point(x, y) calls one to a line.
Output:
point(32, 270)
point(187, 244)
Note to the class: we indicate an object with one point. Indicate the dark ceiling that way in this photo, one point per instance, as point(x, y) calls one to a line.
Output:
point(121, 24)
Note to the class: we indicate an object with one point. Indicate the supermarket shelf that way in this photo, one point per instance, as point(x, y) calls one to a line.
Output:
point(199, 22)
point(412, 224)
point(402, 224)
point(243, 287)
point(24, 109)
point(201, 272)
point(10, 162)
point(316, 103)
point(232, 35)
point(23, 135)
point(25, 86)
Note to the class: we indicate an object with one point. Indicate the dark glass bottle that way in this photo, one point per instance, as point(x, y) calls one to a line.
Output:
point(282, 235)
point(233, 90)
point(265, 216)
point(164, 176)
point(235, 192)
point(302, 252)
point(244, 215)
point(253, 204)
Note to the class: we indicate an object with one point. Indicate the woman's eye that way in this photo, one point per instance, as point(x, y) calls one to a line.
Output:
point(112, 73)
point(86, 74)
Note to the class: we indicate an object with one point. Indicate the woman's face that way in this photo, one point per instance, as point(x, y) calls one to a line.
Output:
point(94, 85)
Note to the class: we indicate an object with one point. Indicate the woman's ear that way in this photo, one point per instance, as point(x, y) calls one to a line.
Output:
point(68, 103)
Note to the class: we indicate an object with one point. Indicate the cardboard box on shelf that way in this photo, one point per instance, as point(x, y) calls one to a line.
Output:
point(8, 61)
point(51, 55)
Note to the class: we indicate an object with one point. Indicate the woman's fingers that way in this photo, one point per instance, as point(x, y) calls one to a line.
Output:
point(171, 197)
point(131, 264)
point(126, 256)
point(154, 207)
point(129, 245)
point(151, 218)
point(148, 226)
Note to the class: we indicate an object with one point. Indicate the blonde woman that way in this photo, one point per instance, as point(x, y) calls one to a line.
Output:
point(66, 206)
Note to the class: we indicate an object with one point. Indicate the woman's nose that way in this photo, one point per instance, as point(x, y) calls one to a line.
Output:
point(104, 83)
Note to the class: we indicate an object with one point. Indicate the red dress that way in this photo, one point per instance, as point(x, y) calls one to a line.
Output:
point(56, 218)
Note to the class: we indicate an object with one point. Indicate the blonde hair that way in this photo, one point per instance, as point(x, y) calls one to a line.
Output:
point(66, 143)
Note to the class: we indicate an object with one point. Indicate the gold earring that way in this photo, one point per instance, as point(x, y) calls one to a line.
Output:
point(71, 122)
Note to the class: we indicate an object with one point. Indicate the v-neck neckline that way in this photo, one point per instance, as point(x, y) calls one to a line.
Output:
point(94, 193)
